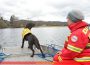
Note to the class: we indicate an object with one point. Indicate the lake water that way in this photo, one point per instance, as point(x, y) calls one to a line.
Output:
point(10, 37)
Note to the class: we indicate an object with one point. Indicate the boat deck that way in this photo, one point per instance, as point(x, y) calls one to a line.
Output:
point(17, 55)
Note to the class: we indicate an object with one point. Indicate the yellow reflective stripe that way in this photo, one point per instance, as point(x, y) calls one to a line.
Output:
point(59, 58)
point(84, 59)
point(25, 31)
point(89, 35)
point(66, 39)
point(85, 30)
point(70, 33)
point(88, 45)
point(75, 49)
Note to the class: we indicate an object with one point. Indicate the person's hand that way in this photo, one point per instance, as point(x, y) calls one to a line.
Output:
point(57, 57)
point(59, 53)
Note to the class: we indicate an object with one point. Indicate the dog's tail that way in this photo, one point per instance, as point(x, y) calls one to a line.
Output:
point(36, 42)
point(37, 46)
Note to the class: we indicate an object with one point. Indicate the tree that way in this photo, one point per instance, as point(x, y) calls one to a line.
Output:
point(1, 18)
point(13, 18)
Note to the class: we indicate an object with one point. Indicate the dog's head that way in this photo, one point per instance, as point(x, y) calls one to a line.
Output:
point(29, 25)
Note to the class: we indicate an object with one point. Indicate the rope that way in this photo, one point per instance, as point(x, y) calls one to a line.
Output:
point(53, 47)
point(2, 56)
point(48, 54)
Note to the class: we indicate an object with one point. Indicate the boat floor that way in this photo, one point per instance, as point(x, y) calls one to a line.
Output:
point(22, 54)
point(18, 55)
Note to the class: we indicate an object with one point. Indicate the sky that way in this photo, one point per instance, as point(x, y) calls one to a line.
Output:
point(47, 10)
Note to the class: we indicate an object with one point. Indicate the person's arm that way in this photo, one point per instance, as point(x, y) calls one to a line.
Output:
point(76, 44)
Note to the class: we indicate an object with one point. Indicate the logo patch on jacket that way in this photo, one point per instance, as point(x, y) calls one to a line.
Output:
point(74, 38)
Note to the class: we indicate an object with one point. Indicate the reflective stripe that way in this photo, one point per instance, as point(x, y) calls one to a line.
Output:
point(66, 40)
point(25, 31)
point(89, 35)
point(67, 37)
point(59, 58)
point(73, 48)
point(83, 59)
point(88, 45)
point(85, 30)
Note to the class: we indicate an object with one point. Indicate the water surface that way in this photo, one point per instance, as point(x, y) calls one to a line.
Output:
point(47, 35)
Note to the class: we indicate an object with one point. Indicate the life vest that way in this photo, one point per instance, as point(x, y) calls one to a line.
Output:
point(25, 32)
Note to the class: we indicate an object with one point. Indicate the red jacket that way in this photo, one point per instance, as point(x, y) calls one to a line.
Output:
point(76, 44)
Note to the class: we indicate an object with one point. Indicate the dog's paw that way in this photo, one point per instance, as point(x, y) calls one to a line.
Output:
point(32, 55)
point(43, 55)
point(28, 47)
point(21, 46)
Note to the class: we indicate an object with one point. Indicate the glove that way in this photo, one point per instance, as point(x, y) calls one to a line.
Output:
point(57, 57)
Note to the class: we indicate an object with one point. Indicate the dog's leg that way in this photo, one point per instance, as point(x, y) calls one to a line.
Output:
point(30, 43)
point(43, 55)
point(22, 43)
point(37, 44)
point(31, 47)
point(38, 47)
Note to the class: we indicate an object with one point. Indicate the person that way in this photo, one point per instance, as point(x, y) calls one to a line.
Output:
point(76, 49)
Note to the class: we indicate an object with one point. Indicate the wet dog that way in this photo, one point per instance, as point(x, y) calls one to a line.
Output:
point(32, 40)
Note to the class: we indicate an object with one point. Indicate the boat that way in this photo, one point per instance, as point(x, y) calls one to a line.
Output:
point(21, 55)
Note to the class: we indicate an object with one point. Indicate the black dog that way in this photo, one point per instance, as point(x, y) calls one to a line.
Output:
point(32, 40)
